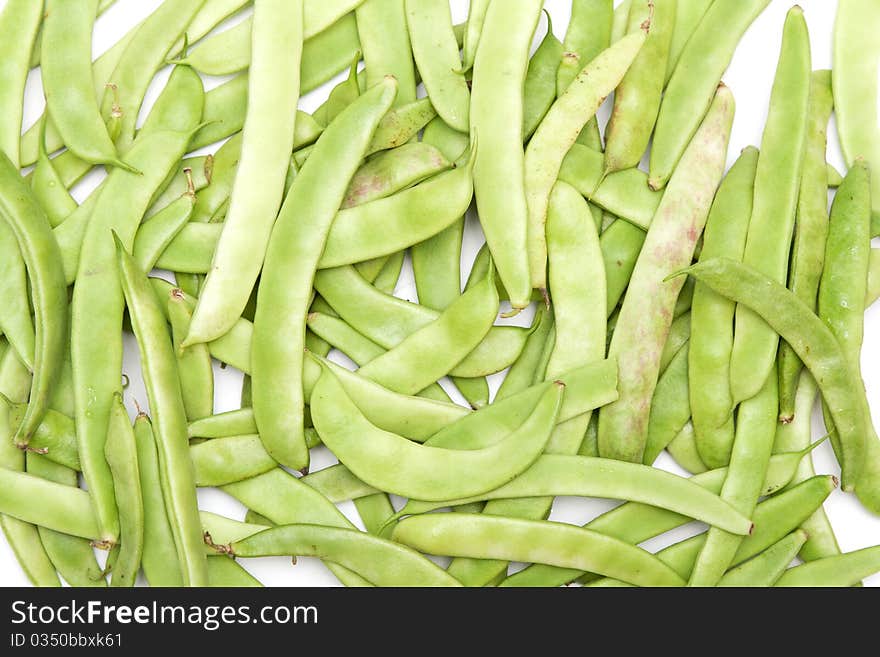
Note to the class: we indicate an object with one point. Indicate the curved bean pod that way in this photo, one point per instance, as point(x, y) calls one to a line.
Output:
point(39, 250)
point(533, 541)
point(670, 406)
point(394, 170)
point(777, 182)
point(712, 315)
point(702, 63)
point(647, 309)
point(193, 363)
point(499, 173)
point(539, 90)
point(766, 568)
point(154, 235)
point(429, 23)
point(423, 472)
point(19, 24)
point(812, 341)
point(559, 131)
point(841, 570)
point(163, 389)
point(226, 460)
point(688, 15)
point(378, 561)
point(476, 16)
point(292, 255)
point(386, 46)
point(588, 33)
point(637, 97)
point(391, 224)
point(16, 323)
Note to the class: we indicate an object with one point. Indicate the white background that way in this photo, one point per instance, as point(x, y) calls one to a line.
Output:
point(750, 76)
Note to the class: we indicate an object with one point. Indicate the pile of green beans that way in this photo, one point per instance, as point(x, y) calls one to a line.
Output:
point(613, 316)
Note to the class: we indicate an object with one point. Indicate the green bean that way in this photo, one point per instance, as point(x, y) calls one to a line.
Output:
point(391, 224)
point(154, 235)
point(386, 279)
point(163, 389)
point(752, 447)
point(841, 291)
point(766, 568)
point(688, 15)
point(16, 322)
point(159, 557)
point(67, 80)
point(222, 530)
point(533, 541)
point(558, 132)
point(625, 193)
point(121, 455)
point(855, 55)
point(670, 406)
point(688, 95)
point(393, 170)
point(635, 522)
point(436, 55)
point(873, 278)
point(378, 561)
point(588, 34)
point(777, 181)
point(647, 310)
point(576, 275)
point(287, 259)
point(193, 363)
point(683, 450)
point(425, 472)
point(284, 499)
point(637, 98)
point(712, 315)
point(619, 20)
point(20, 211)
point(679, 336)
point(841, 570)
point(540, 83)
point(98, 304)
point(227, 460)
point(582, 476)
point(253, 517)
point(499, 174)
point(19, 22)
point(266, 147)
point(774, 518)
point(812, 341)
point(338, 484)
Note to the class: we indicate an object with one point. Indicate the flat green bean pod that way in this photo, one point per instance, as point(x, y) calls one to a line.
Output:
point(777, 183)
point(378, 561)
point(393, 170)
point(391, 224)
point(227, 460)
point(19, 24)
point(437, 58)
point(688, 15)
point(559, 130)
point(386, 46)
point(689, 93)
point(766, 568)
point(154, 236)
point(424, 472)
point(225, 572)
point(540, 84)
point(231, 423)
point(648, 307)
point(16, 323)
point(588, 34)
point(584, 476)
point(533, 541)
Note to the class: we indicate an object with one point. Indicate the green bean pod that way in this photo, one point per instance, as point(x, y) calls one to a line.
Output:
point(670, 406)
point(539, 90)
point(159, 556)
point(386, 46)
point(813, 342)
point(19, 24)
point(429, 23)
point(16, 322)
point(688, 15)
point(378, 561)
point(121, 456)
point(841, 570)
point(703, 61)
point(154, 235)
point(39, 250)
point(225, 572)
point(712, 316)
point(166, 402)
point(476, 16)
point(500, 69)
point(193, 363)
point(533, 541)
point(637, 97)
point(777, 182)
point(292, 255)
point(559, 130)
point(647, 309)
point(766, 568)
point(523, 373)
